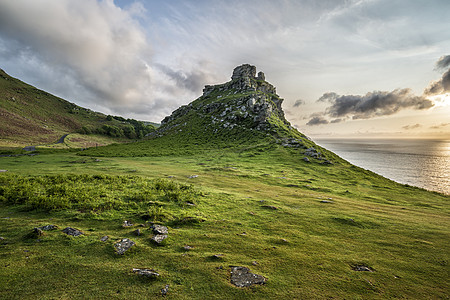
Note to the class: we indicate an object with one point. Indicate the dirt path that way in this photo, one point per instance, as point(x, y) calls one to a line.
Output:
point(61, 140)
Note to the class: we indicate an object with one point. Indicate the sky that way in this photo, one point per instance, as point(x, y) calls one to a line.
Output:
point(346, 68)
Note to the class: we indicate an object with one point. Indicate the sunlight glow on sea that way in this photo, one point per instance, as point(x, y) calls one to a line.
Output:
point(422, 163)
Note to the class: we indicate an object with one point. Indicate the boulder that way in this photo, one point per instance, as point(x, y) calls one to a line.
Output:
point(242, 277)
point(158, 238)
point(159, 229)
point(72, 231)
point(123, 246)
point(48, 227)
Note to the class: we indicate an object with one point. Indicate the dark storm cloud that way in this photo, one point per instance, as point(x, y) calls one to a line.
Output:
point(374, 104)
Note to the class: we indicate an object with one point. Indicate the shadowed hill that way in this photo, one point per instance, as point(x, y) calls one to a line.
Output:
point(30, 116)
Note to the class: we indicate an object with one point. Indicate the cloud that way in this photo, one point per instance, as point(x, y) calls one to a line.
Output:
point(442, 85)
point(95, 54)
point(374, 104)
point(440, 126)
point(299, 102)
point(409, 127)
point(443, 62)
point(317, 121)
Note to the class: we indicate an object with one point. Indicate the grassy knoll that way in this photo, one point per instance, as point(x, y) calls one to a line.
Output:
point(305, 248)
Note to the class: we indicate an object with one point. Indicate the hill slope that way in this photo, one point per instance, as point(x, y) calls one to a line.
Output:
point(31, 116)
point(233, 191)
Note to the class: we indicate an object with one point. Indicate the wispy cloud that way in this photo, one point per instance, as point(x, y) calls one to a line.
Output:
point(411, 127)
point(299, 102)
point(442, 125)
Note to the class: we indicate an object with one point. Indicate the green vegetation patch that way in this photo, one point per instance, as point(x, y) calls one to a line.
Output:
point(94, 193)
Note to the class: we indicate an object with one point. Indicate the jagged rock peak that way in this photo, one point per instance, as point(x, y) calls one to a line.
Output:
point(247, 102)
point(243, 79)
point(245, 70)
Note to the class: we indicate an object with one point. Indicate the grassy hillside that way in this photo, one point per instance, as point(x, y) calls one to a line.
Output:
point(328, 220)
point(236, 185)
point(33, 117)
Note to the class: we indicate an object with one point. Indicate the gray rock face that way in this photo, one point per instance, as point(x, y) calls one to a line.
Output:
point(104, 238)
point(242, 71)
point(242, 277)
point(123, 246)
point(72, 231)
point(150, 273)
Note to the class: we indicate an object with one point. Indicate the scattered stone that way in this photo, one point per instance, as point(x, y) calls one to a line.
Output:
point(48, 227)
point(72, 231)
point(123, 246)
point(193, 176)
point(165, 290)
point(242, 277)
point(270, 207)
point(158, 238)
point(306, 159)
point(127, 224)
point(2, 238)
point(150, 273)
point(98, 160)
point(218, 256)
point(284, 241)
point(170, 176)
point(362, 268)
point(137, 232)
point(159, 229)
point(187, 247)
point(104, 238)
point(326, 201)
point(255, 263)
point(2, 171)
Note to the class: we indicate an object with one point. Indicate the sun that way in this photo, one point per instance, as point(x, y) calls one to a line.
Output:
point(441, 100)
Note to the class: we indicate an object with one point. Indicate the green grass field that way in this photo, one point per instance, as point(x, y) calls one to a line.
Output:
point(306, 248)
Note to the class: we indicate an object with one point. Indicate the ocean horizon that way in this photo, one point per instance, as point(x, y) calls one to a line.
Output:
point(423, 163)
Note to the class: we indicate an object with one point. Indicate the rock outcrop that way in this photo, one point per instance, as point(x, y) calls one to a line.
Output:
point(247, 106)
point(247, 98)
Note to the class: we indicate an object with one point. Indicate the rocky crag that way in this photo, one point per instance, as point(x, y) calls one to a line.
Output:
point(246, 106)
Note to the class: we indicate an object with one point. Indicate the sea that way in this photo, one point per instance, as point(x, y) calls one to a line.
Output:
point(419, 162)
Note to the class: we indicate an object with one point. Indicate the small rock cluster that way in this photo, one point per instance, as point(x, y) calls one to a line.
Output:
point(242, 277)
point(160, 233)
